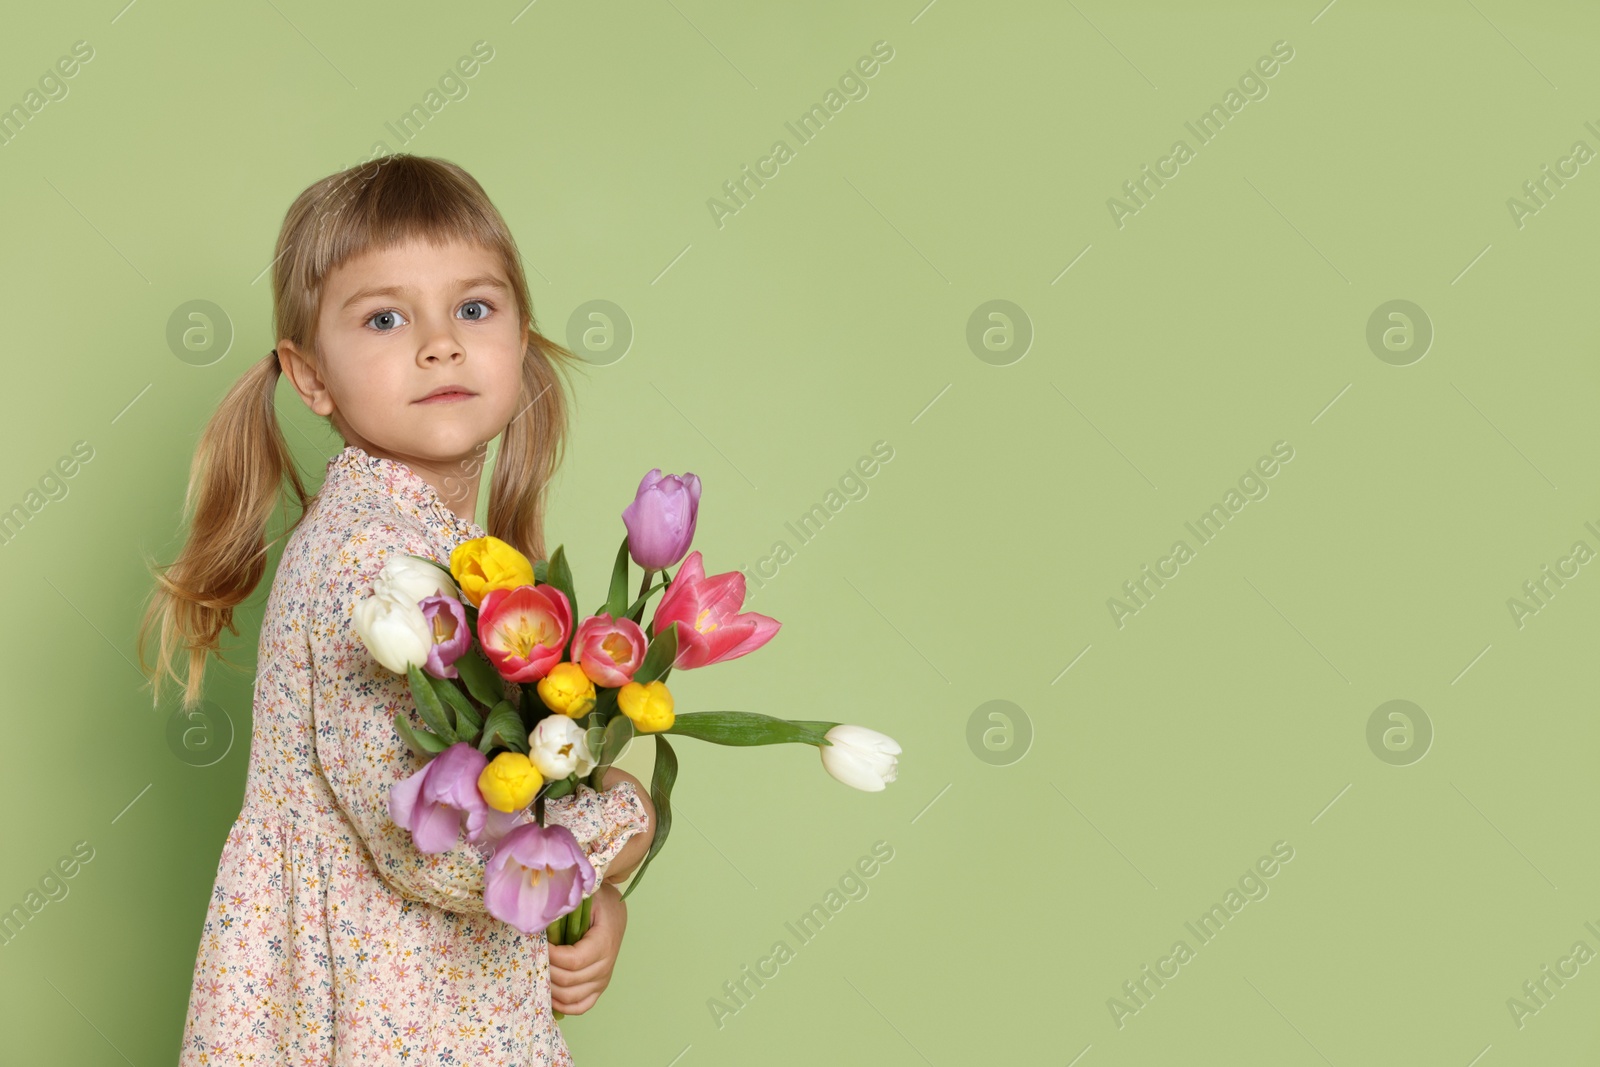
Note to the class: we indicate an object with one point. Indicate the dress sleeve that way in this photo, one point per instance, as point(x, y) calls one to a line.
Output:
point(353, 701)
point(601, 821)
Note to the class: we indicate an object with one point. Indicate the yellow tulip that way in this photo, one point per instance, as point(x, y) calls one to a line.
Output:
point(649, 706)
point(510, 782)
point(487, 563)
point(567, 691)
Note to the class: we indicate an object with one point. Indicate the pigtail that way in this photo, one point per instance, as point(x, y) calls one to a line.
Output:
point(235, 481)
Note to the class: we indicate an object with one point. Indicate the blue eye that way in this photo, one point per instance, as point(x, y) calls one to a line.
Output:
point(395, 320)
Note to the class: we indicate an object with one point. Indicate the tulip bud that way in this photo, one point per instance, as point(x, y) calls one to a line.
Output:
point(609, 650)
point(509, 782)
point(410, 579)
point(649, 706)
point(558, 746)
point(395, 631)
point(661, 519)
point(567, 690)
point(861, 758)
point(484, 564)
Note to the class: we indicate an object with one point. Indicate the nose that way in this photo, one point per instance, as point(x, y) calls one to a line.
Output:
point(441, 346)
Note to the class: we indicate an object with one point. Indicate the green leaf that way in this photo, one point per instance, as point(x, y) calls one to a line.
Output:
point(419, 741)
point(747, 728)
point(467, 719)
point(661, 779)
point(428, 706)
point(614, 605)
point(561, 578)
point(540, 570)
point(658, 658)
point(483, 681)
point(561, 787)
point(503, 727)
point(618, 732)
point(636, 609)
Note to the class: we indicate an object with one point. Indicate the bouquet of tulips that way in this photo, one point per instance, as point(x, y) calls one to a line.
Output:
point(498, 617)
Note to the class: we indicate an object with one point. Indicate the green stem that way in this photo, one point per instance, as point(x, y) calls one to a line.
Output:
point(573, 932)
point(643, 587)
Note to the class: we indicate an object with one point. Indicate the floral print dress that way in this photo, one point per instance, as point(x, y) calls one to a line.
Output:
point(329, 939)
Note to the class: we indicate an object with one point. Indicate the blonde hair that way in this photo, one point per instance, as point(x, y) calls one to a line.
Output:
point(242, 461)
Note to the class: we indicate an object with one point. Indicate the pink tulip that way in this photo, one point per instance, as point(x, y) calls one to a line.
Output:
point(435, 802)
point(536, 875)
point(524, 630)
point(609, 650)
point(711, 627)
point(661, 519)
point(447, 622)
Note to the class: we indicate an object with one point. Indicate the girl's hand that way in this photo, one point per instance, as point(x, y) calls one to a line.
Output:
point(580, 973)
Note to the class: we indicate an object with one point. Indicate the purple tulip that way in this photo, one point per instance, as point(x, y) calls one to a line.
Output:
point(434, 802)
point(536, 875)
point(661, 519)
point(447, 622)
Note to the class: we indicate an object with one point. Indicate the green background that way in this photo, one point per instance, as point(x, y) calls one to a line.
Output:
point(769, 354)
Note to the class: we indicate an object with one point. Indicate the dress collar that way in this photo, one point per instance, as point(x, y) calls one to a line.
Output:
point(404, 485)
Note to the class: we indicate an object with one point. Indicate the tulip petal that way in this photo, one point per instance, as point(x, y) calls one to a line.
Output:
point(403, 797)
point(852, 772)
point(503, 896)
point(437, 827)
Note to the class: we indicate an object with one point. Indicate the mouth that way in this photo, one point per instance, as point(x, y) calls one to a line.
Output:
point(447, 394)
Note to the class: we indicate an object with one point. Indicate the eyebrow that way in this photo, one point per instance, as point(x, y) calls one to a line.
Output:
point(481, 281)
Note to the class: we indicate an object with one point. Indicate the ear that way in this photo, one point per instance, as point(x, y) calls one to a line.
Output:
point(302, 374)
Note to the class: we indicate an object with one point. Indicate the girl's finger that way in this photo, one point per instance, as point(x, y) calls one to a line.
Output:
point(576, 990)
point(565, 977)
point(576, 957)
point(575, 1009)
point(575, 994)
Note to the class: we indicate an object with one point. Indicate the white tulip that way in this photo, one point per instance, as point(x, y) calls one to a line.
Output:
point(861, 758)
point(410, 579)
point(394, 630)
point(558, 747)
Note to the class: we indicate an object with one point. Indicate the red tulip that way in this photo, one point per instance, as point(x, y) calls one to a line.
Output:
point(711, 626)
point(524, 630)
point(609, 650)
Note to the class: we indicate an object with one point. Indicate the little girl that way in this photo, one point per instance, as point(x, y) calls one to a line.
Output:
point(404, 319)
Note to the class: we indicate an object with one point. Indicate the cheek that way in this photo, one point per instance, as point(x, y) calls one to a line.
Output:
point(356, 374)
point(367, 383)
point(506, 355)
